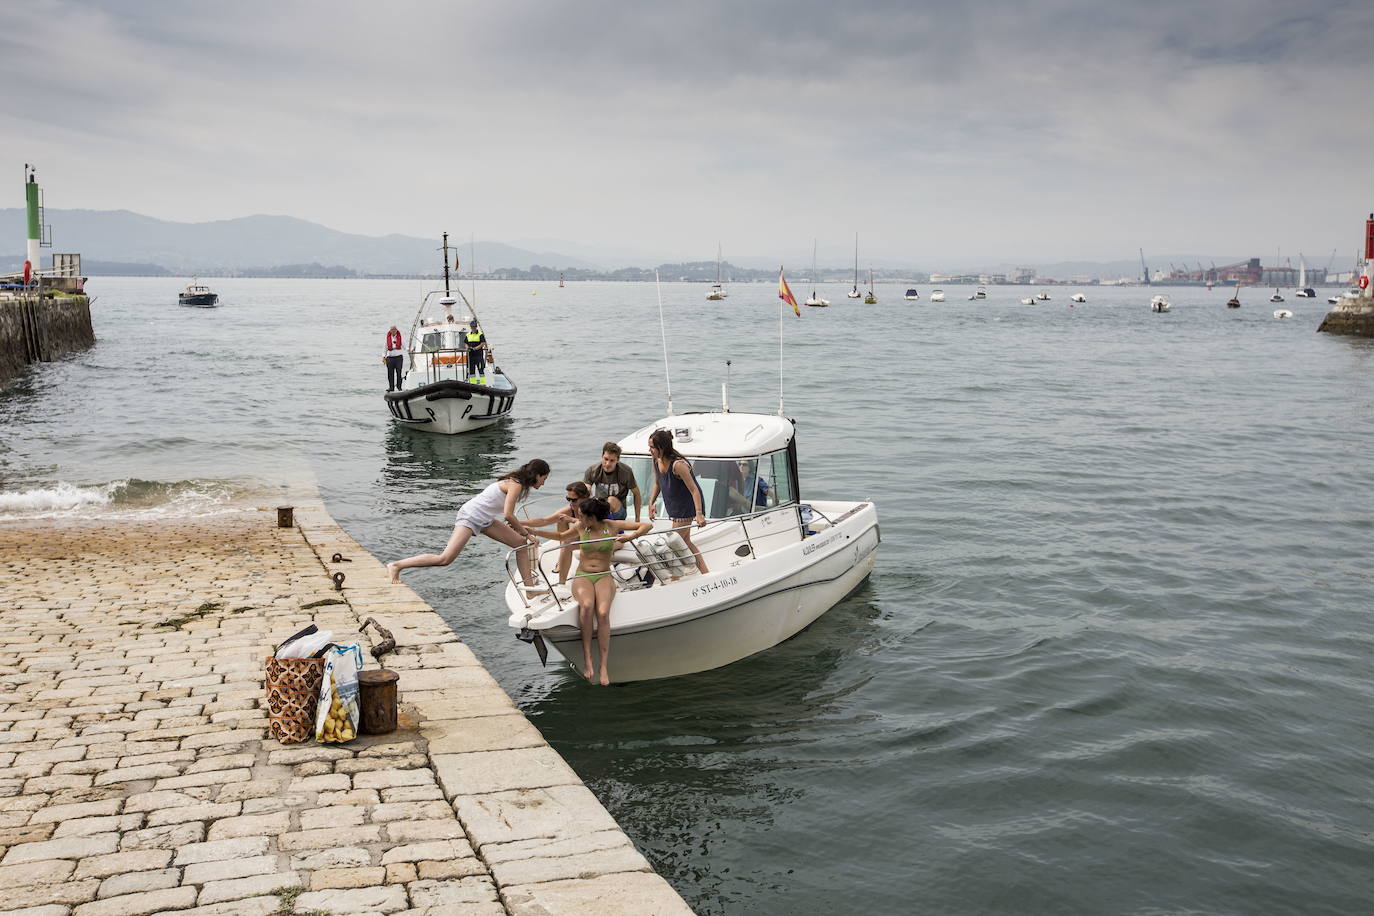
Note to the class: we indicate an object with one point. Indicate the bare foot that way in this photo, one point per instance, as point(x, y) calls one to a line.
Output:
point(587, 673)
point(395, 573)
point(605, 678)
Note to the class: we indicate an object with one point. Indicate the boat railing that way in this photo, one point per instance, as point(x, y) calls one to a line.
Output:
point(455, 359)
point(537, 554)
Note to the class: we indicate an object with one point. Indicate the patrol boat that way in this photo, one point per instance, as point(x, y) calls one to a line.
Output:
point(440, 392)
point(777, 561)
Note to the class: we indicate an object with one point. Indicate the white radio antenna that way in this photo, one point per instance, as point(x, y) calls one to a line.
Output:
point(780, 323)
point(662, 331)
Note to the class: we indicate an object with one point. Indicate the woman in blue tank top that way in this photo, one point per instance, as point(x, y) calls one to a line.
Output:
point(681, 495)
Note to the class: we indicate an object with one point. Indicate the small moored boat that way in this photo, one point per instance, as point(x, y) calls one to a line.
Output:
point(1078, 297)
point(777, 563)
point(1043, 296)
point(937, 296)
point(1282, 313)
point(1159, 304)
point(911, 295)
point(198, 295)
point(1276, 297)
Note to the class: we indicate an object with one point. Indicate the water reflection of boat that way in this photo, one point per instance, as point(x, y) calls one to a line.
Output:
point(442, 391)
point(777, 563)
point(424, 463)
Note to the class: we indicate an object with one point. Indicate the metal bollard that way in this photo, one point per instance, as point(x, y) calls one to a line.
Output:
point(285, 517)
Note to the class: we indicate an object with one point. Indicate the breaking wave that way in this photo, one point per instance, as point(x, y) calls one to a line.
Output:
point(129, 498)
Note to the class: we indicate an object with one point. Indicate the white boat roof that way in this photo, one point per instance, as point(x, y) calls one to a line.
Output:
point(716, 434)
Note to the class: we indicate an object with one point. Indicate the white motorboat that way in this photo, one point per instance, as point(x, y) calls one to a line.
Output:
point(777, 562)
point(1028, 301)
point(1078, 297)
point(1276, 297)
point(1159, 304)
point(911, 295)
point(1283, 313)
point(441, 392)
point(982, 293)
point(937, 296)
point(1043, 296)
point(717, 292)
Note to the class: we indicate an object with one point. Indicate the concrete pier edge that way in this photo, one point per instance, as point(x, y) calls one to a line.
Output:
point(138, 777)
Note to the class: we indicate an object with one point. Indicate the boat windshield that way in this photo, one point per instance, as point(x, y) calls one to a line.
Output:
point(729, 486)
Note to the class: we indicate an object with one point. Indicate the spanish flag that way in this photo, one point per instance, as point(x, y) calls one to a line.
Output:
point(785, 293)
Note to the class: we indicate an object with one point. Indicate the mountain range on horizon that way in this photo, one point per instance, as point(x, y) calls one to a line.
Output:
point(124, 241)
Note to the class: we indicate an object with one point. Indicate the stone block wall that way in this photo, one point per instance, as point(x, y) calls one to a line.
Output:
point(1350, 316)
point(34, 329)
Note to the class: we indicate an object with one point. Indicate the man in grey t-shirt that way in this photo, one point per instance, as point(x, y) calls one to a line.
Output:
point(612, 481)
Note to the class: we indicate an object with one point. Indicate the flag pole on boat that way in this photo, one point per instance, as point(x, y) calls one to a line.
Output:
point(664, 333)
point(446, 291)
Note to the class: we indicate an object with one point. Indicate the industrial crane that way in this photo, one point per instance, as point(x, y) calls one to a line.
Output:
point(1144, 270)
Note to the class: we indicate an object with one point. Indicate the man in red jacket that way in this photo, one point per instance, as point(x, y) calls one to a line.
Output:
point(395, 359)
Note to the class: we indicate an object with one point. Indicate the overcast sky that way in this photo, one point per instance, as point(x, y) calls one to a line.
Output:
point(954, 131)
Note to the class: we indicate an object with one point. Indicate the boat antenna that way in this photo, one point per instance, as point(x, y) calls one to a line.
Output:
point(662, 331)
point(472, 267)
point(725, 389)
point(446, 292)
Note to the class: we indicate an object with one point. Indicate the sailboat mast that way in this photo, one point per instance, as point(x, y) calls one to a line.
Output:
point(856, 260)
point(718, 251)
point(446, 290)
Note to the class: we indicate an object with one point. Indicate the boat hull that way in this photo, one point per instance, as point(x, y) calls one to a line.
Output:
point(451, 407)
point(714, 620)
point(200, 301)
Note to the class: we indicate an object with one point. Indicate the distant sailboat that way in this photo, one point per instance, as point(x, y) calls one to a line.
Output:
point(1234, 301)
point(717, 292)
point(560, 281)
point(815, 301)
point(854, 293)
point(1304, 291)
point(871, 298)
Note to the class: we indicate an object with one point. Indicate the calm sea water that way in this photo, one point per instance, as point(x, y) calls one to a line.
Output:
point(1115, 655)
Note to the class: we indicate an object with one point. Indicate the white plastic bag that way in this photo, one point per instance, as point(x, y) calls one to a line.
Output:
point(336, 718)
point(305, 643)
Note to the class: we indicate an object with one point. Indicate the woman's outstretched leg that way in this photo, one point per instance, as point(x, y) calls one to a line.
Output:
point(500, 531)
point(586, 616)
point(456, 542)
point(605, 594)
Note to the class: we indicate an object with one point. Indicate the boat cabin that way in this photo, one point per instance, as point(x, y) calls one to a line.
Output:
point(439, 349)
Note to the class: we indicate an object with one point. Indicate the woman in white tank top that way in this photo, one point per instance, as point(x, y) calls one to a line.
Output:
point(491, 512)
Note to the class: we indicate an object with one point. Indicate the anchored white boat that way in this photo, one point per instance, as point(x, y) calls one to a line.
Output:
point(1282, 313)
point(937, 296)
point(441, 391)
point(1078, 297)
point(777, 563)
point(717, 292)
point(1304, 291)
point(1043, 296)
point(1159, 304)
point(815, 301)
point(854, 293)
point(982, 293)
point(1276, 297)
point(1028, 301)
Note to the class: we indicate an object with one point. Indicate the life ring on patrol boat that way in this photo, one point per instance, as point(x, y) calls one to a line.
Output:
point(452, 359)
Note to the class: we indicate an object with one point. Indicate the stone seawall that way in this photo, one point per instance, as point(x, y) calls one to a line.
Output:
point(1350, 316)
point(34, 329)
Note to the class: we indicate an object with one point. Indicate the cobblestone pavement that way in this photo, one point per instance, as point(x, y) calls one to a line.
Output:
point(137, 775)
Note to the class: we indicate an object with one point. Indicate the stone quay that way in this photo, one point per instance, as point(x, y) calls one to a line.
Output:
point(138, 776)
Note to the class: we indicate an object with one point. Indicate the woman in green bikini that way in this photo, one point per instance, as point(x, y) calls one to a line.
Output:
point(593, 586)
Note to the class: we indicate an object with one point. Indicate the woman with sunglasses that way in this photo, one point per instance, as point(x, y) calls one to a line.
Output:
point(593, 585)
